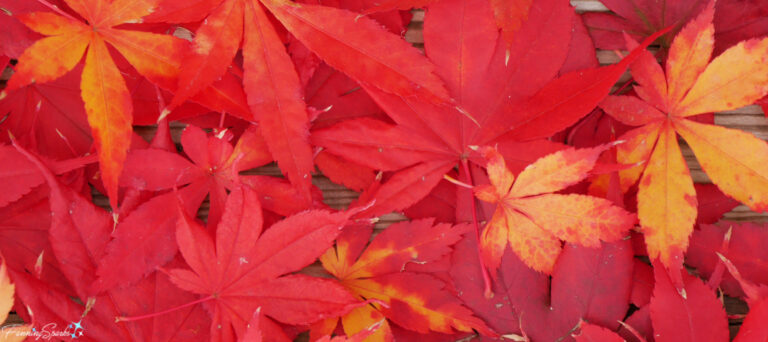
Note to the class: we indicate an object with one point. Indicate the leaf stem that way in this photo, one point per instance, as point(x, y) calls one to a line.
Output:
point(484, 270)
point(221, 119)
point(457, 182)
point(140, 317)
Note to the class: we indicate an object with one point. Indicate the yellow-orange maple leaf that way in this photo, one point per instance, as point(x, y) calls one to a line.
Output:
point(9, 333)
point(533, 220)
point(737, 162)
point(107, 100)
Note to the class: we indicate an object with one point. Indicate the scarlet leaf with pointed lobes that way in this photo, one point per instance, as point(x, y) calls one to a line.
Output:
point(338, 170)
point(744, 251)
point(78, 236)
point(143, 240)
point(415, 301)
point(215, 164)
point(242, 269)
point(275, 98)
point(24, 235)
point(695, 315)
point(753, 327)
point(737, 20)
point(532, 220)
point(694, 85)
point(214, 171)
point(595, 333)
point(590, 284)
point(20, 176)
point(49, 118)
point(216, 43)
point(362, 49)
point(713, 203)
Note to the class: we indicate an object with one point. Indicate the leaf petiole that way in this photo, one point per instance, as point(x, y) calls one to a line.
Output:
point(140, 317)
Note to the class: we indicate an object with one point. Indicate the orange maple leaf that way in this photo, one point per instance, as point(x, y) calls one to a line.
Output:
point(737, 162)
point(533, 220)
point(9, 333)
point(416, 301)
point(107, 100)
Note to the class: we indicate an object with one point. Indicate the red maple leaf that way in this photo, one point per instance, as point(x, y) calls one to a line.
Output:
point(245, 268)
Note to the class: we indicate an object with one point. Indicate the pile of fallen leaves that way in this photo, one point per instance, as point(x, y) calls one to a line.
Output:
point(547, 197)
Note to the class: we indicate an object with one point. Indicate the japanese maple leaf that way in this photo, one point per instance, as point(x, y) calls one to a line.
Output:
point(143, 240)
point(24, 234)
point(49, 118)
point(753, 327)
point(244, 268)
point(19, 175)
point(355, 45)
point(78, 235)
point(697, 315)
point(16, 37)
point(16, 333)
point(509, 15)
point(413, 300)
point(736, 162)
point(595, 333)
point(107, 100)
point(214, 164)
point(514, 101)
point(587, 284)
point(743, 241)
point(532, 220)
point(736, 20)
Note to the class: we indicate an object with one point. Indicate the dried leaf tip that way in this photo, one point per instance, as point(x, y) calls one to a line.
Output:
point(722, 257)
point(163, 114)
point(488, 293)
point(515, 337)
point(633, 331)
point(39, 265)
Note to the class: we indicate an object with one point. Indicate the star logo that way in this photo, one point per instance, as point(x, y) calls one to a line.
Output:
point(77, 329)
point(78, 325)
